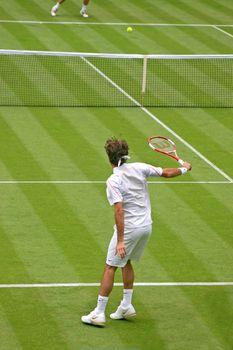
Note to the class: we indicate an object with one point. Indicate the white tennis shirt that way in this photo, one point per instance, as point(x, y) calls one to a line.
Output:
point(128, 184)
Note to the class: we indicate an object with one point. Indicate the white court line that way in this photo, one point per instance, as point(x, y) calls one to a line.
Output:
point(223, 31)
point(103, 182)
point(151, 115)
point(117, 23)
point(137, 284)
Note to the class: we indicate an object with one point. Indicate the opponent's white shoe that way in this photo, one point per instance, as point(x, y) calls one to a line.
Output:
point(121, 313)
point(54, 11)
point(84, 13)
point(94, 319)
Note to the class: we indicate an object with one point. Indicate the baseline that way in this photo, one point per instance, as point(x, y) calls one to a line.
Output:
point(117, 23)
point(82, 182)
point(137, 284)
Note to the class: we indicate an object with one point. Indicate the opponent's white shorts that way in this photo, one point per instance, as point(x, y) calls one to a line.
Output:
point(135, 241)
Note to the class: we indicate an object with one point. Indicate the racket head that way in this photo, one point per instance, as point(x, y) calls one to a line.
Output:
point(162, 144)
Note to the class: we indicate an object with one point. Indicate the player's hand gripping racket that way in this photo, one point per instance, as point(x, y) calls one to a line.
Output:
point(164, 145)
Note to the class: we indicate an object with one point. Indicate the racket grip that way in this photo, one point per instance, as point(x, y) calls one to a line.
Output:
point(180, 161)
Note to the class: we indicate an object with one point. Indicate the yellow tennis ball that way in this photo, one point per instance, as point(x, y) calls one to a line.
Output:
point(129, 29)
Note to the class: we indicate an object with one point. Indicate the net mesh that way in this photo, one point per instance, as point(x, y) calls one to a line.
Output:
point(78, 80)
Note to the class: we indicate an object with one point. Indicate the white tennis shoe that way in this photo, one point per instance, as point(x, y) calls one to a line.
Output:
point(54, 11)
point(121, 313)
point(84, 13)
point(94, 319)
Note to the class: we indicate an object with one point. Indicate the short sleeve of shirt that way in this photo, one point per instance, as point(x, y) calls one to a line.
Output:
point(113, 190)
point(150, 170)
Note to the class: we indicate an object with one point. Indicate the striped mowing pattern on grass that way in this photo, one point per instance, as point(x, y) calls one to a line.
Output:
point(52, 137)
point(48, 230)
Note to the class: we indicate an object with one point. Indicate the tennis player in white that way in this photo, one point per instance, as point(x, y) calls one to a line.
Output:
point(127, 192)
point(83, 11)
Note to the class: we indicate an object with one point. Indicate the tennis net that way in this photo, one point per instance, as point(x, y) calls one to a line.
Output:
point(69, 79)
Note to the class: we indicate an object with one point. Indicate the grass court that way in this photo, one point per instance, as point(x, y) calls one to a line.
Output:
point(55, 222)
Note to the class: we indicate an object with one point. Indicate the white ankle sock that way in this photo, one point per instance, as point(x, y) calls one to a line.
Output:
point(101, 304)
point(127, 298)
point(84, 8)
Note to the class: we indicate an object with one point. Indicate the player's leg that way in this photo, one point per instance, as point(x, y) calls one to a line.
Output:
point(113, 261)
point(97, 316)
point(128, 280)
point(83, 11)
point(107, 280)
point(56, 7)
point(126, 309)
point(128, 275)
point(135, 242)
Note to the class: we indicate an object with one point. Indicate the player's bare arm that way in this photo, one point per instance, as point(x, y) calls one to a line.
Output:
point(119, 220)
point(172, 172)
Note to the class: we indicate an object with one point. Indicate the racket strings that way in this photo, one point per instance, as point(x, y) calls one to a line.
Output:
point(163, 145)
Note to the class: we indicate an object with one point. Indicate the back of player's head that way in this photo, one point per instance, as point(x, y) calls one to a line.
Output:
point(116, 149)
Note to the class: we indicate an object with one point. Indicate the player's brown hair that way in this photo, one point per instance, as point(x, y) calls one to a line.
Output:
point(116, 149)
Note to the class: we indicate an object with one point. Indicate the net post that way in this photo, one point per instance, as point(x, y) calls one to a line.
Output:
point(144, 76)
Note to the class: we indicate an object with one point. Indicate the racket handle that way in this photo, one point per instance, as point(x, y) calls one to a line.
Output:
point(180, 161)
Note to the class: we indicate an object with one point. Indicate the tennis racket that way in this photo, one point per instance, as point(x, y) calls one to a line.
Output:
point(164, 145)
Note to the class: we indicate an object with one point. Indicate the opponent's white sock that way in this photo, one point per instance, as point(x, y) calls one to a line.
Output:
point(84, 8)
point(127, 298)
point(101, 304)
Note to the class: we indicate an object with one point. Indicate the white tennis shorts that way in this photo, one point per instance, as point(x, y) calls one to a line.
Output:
point(135, 241)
